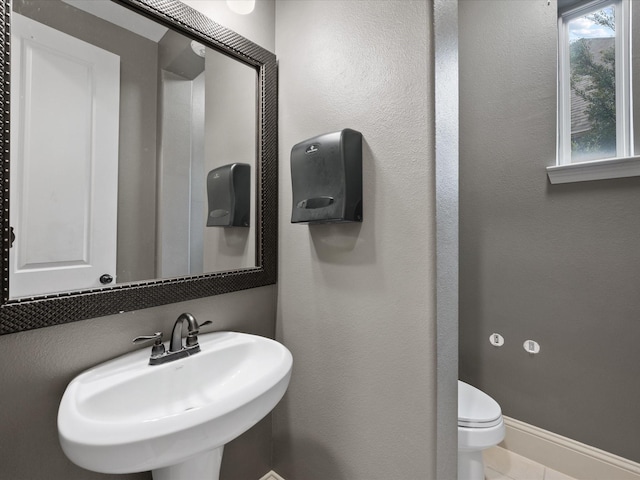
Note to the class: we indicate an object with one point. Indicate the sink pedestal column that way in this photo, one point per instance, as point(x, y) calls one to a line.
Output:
point(203, 466)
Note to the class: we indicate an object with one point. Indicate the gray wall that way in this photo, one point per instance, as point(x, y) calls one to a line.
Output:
point(36, 366)
point(558, 264)
point(356, 301)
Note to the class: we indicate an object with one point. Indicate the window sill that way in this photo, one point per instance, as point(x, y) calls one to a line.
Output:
point(594, 170)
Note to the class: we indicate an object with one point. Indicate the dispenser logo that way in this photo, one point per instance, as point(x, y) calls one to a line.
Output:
point(312, 148)
point(216, 175)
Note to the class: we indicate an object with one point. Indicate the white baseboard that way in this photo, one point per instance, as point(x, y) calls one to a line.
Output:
point(272, 476)
point(565, 455)
point(559, 453)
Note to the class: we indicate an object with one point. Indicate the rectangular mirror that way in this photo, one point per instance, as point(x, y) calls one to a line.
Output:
point(142, 159)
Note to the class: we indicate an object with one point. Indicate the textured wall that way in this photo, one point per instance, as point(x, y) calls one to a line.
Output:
point(558, 264)
point(356, 301)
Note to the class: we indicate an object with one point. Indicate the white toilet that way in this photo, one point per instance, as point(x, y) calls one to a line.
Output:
point(480, 426)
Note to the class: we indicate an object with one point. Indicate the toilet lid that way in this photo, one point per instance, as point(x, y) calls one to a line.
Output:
point(476, 409)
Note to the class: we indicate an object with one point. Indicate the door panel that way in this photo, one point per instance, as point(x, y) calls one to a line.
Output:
point(64, 160)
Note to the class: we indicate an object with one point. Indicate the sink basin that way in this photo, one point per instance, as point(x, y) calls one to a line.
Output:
point(126, 416)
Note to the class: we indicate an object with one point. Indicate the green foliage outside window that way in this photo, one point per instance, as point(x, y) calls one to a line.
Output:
point(593, 79)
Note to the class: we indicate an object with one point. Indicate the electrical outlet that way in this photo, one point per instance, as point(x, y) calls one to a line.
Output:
point(496, 339)
point(531, 346)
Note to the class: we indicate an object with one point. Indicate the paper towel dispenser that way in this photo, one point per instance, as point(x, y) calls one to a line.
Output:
point(229, 192)
point(326, 178)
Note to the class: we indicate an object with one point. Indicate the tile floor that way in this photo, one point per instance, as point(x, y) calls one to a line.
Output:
point(501, 464)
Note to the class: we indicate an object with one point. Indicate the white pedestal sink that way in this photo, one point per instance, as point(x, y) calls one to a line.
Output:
point(126, 416)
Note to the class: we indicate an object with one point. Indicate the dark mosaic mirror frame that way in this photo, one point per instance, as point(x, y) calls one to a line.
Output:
point(46, 310)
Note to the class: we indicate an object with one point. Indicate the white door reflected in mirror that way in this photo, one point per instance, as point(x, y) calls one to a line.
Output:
point(64, 169)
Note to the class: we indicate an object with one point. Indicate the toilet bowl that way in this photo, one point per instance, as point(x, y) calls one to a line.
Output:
point(480, 426)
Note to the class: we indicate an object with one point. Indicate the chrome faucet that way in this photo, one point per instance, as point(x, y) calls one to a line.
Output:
point(176, 349)
point(175, 345)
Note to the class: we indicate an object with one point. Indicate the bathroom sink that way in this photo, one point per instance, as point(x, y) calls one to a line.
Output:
point(126, 416)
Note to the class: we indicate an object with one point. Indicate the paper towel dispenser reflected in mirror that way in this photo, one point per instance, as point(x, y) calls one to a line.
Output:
point(326, 177)
point(228, 191)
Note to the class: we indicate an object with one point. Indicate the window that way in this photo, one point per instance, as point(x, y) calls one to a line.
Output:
point(594, 91)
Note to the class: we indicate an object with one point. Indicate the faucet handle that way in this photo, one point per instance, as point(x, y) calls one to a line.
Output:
point(192, 337)
point(145, 338)
point(198, 326)
point(158, 348)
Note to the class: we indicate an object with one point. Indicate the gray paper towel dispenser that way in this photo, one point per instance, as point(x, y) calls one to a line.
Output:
point(228, 192)
point(326, 178)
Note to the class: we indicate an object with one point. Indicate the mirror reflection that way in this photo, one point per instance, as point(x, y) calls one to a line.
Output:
point(116, 124)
